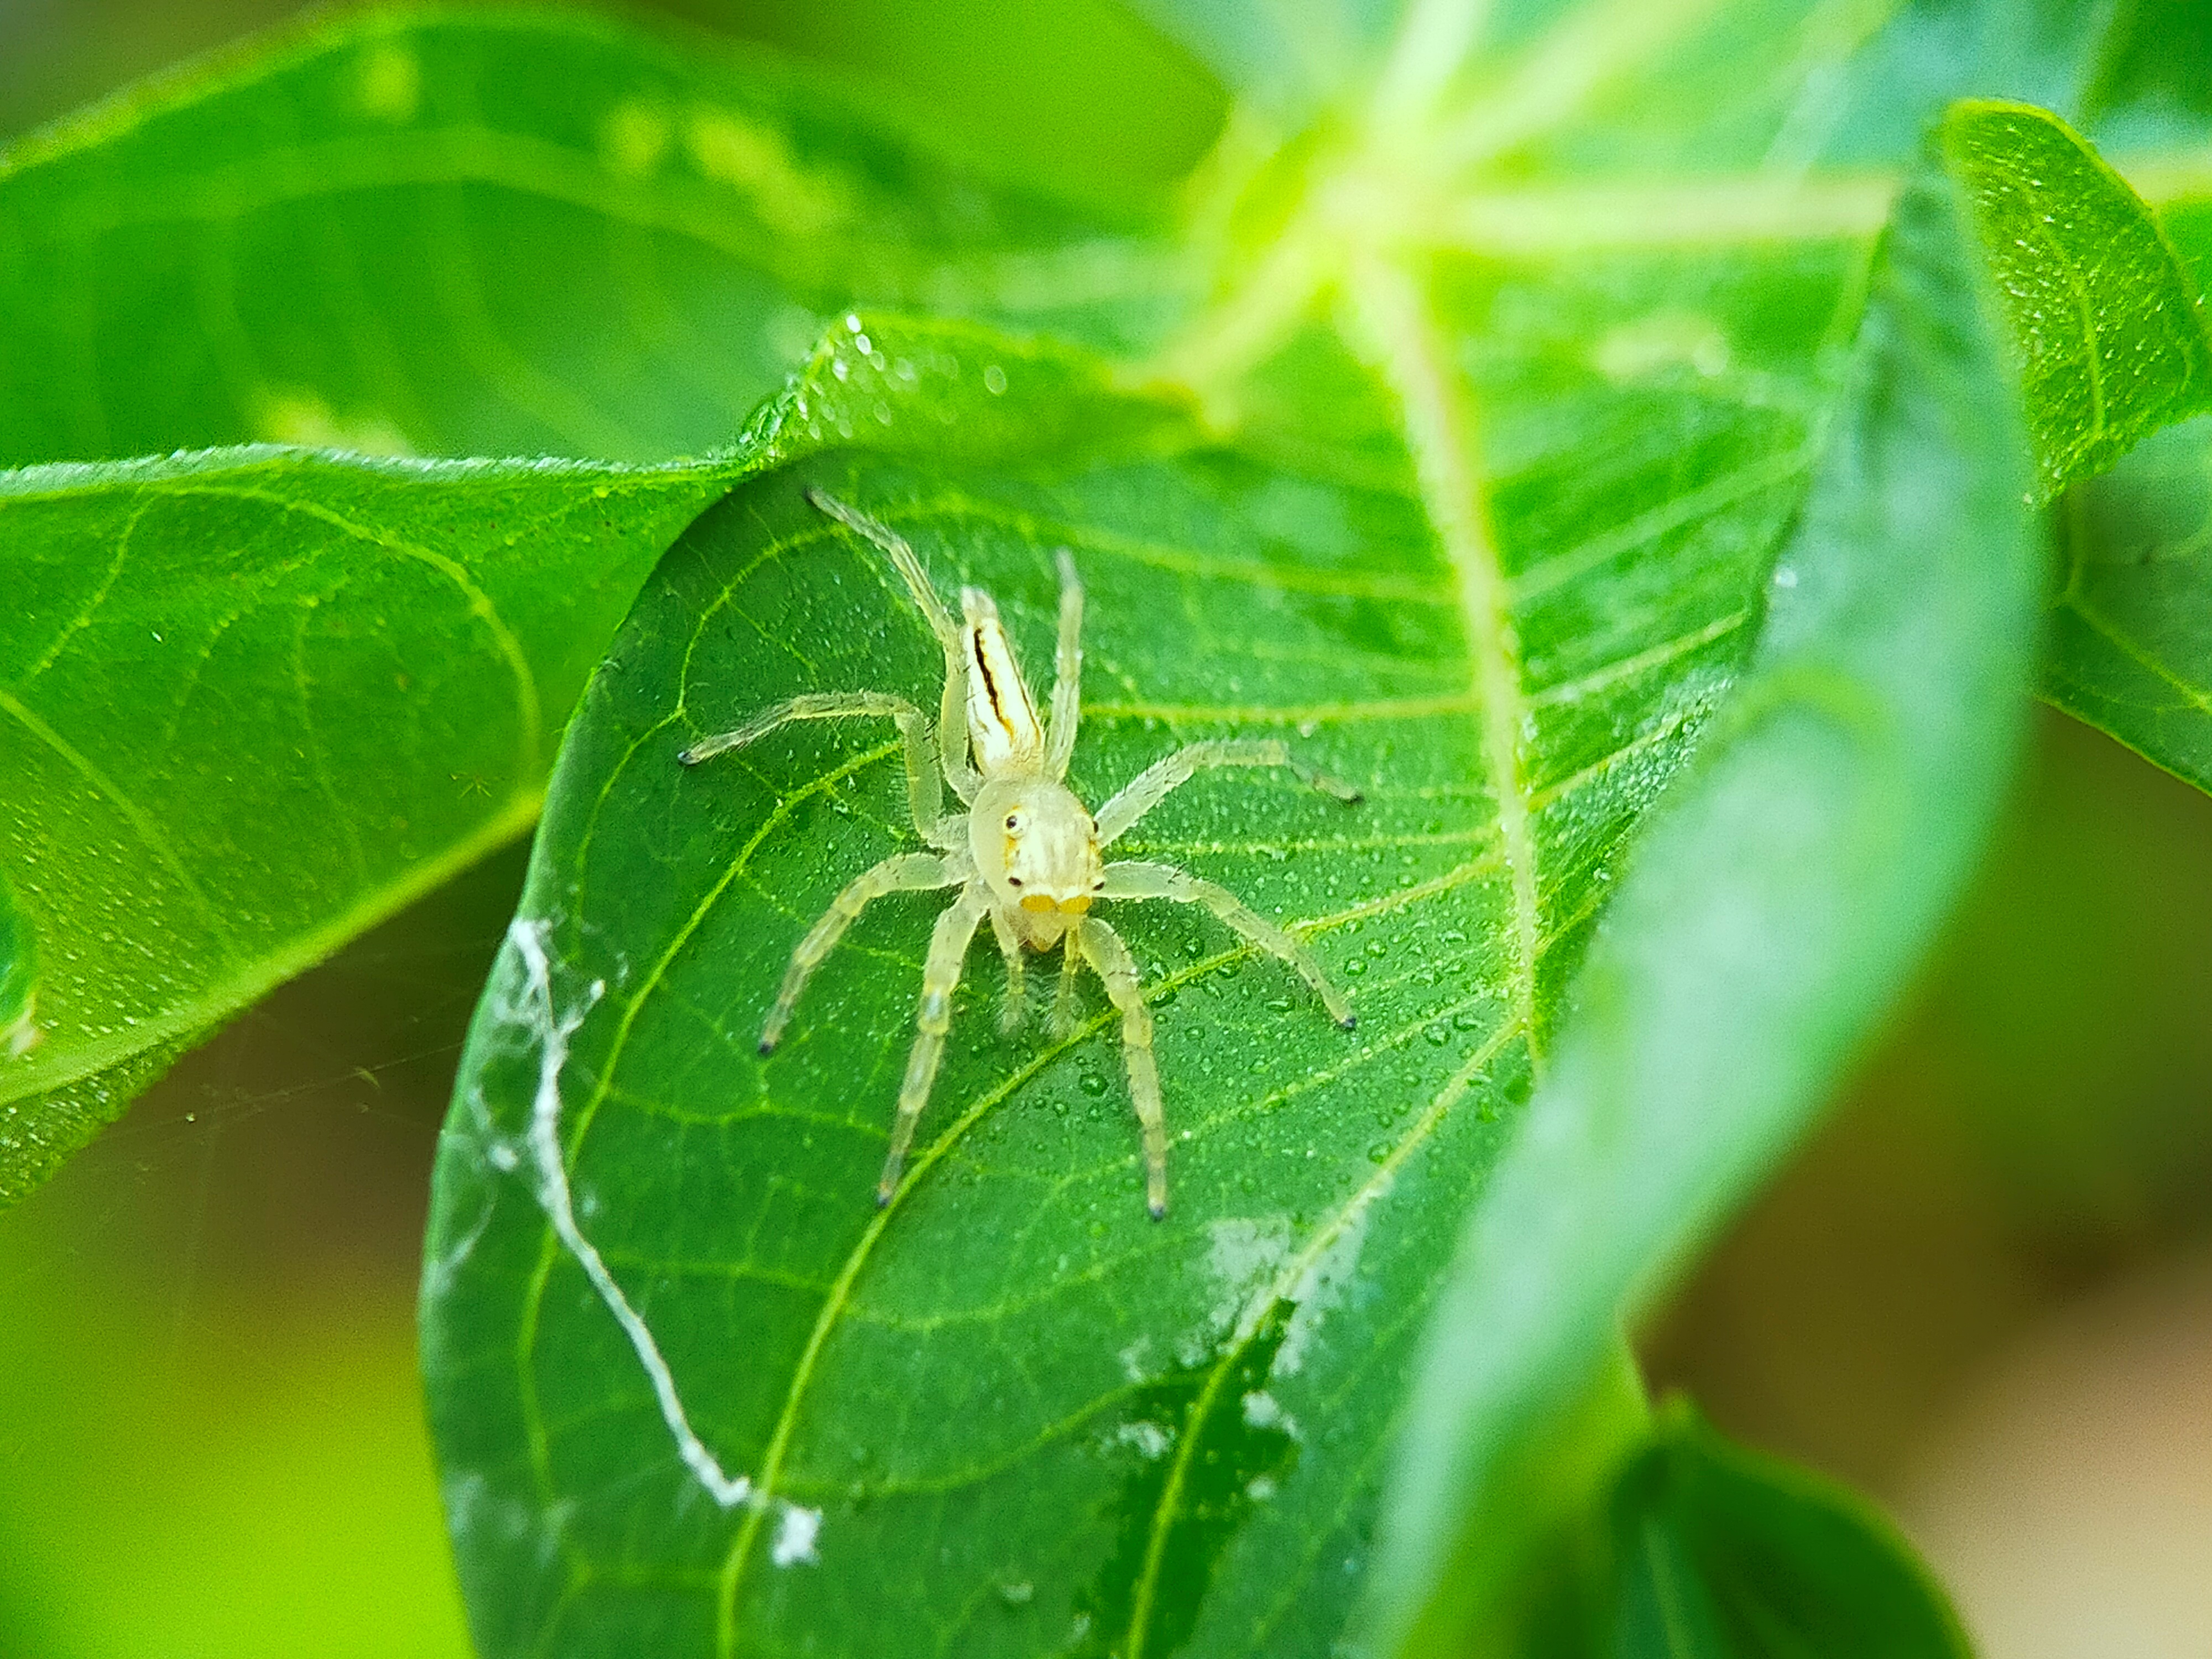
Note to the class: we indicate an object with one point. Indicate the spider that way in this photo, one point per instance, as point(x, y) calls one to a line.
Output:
point(1026, 855)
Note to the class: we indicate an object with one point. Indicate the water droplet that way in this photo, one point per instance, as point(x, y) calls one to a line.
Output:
point(1092, 1084)
point(1437, 1034)
point(1378, 1152)
point(994, 379)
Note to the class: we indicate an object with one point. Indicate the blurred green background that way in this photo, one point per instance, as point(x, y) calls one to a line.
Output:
point(1983, 1292)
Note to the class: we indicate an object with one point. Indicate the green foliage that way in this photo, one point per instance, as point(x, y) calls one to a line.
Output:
point(257, 699)
point(1451, 429)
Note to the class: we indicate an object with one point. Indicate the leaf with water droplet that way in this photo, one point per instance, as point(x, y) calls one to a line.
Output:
point(2110, 327)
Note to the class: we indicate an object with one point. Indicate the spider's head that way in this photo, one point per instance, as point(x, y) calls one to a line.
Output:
point(1038, 848)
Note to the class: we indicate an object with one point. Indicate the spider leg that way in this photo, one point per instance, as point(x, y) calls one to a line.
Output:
point(1010, 947)
point(1066, 668)
point(923, 799)
point(1130, 879)
point(940, 973)
point(1111, 958)
point(1062, 1023)
point(902, 872)
point(1153, 785)
point(951, 711)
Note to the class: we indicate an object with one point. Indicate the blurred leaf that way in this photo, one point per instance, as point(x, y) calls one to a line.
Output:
point(492, 233)
point(2109, 324)
point(2131, 647)
point(1706, 1549)
point(1777, 900)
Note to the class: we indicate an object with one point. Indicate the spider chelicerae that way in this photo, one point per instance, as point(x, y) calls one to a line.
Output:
point(1026, 855)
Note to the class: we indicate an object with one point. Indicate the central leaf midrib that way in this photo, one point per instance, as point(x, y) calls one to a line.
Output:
point(1396, 311)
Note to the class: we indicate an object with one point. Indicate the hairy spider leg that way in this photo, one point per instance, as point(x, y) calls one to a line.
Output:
point(940, 973)
point(1131, 879)
point(925, 800)
point(952, 710)
point(902, 873)
point(1112, 960)
point(1066, 668)
point(1157, 782)
point(1010, 947)
point(1063, 1022)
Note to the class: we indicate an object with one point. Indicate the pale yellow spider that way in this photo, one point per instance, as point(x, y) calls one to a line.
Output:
point(1026, 855)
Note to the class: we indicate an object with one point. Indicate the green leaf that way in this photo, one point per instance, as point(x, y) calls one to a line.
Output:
point(1706, 1549)
point(2114, 348)
point(2111, 329)
point(494, 233)
point(1776, 902)
point(251, 702)
point(2131, 628)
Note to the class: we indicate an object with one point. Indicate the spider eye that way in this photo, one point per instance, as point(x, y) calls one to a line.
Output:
point(1013, 881)
point(1013, 821)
